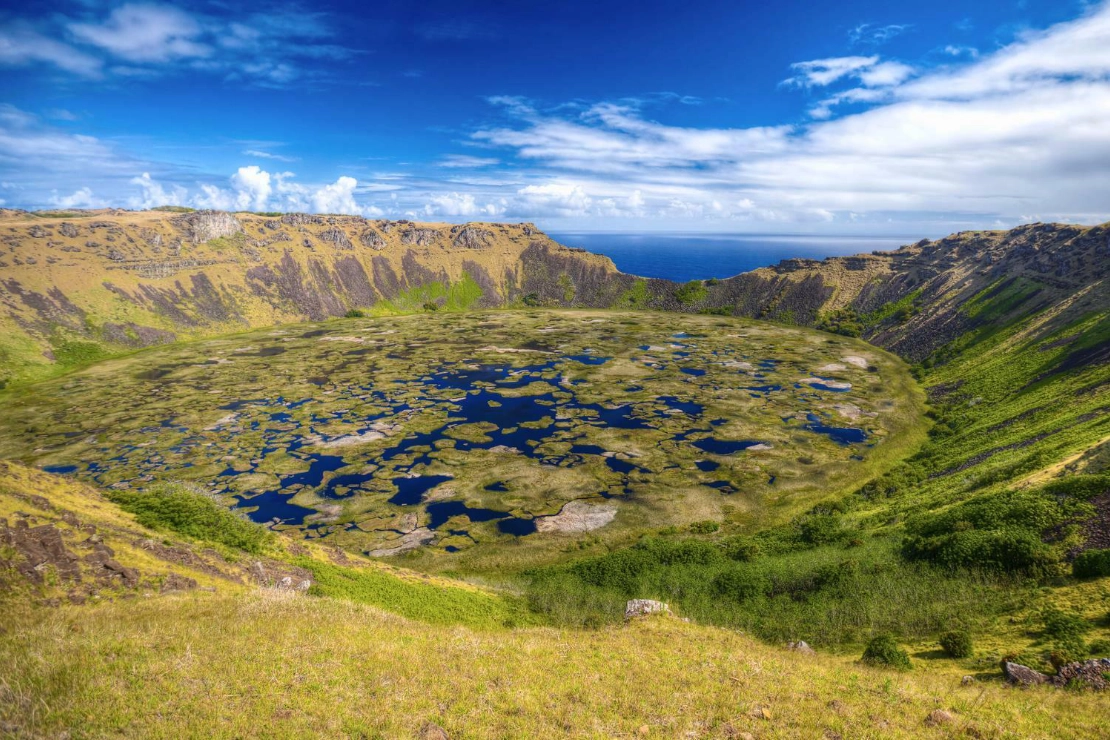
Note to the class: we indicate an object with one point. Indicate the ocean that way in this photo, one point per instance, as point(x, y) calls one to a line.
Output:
point(683, 257)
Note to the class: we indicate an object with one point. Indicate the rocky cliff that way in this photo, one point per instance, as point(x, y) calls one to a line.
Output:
point(79, 285)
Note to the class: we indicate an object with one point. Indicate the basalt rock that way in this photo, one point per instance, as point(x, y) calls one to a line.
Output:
point(372, 239)
point(419, 237)
point(203, 226)
point(471, 237)
point(644, 607)
point(1021, 675)
point(336, 237)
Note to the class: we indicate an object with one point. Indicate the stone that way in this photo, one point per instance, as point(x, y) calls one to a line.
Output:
point(68, 230)
point(202, 226)
point(967, 680)
point(1022, 675)
point(472, 237)
point(801, 646)
point(644, 607)
point(939, 717)
point(1092, 673)
point(372, 239)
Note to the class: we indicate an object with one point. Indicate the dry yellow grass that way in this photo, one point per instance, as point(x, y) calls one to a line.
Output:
point(270, 665)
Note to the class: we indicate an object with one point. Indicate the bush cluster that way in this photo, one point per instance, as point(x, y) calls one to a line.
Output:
point(1091, 564)
point(180, 509)
point(957, 643)
point(883, 650)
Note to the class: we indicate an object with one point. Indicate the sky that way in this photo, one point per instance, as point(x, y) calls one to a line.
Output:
point(854, 117)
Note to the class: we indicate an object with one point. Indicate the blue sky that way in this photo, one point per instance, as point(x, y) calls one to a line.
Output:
point(790, 117)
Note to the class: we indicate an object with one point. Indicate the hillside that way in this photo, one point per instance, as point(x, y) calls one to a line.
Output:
point(78, 286)
point(212, 651)
point(770, 482)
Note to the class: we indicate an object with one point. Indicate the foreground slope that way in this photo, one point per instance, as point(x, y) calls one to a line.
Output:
point(229, 657)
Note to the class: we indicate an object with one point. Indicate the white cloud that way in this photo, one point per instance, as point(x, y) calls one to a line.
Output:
point(339, 197)
point(283, 44)
point(867, 33)
point(252, 188)
point(154, 195)
point(145, 33)
point(467, 161)
point(267, 155)
point(886, 74)
point(80, 198)
point(1020, 131)
point(22, 45)
point(823, 72)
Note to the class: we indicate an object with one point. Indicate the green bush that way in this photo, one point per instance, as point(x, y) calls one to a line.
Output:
point(1091, 564)
point(177, 508)
point(957, 643)
point(532, 299)
point(883, 650)
point(706, 527)
point(691, 292)
point(1060, 625)
point(355, 313)
point(431, 306)
point(1100, 648)
point(1067, 650)
point(741, 584)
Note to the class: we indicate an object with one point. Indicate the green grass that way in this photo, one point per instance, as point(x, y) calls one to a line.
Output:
point(180, 509)
point(432, 603)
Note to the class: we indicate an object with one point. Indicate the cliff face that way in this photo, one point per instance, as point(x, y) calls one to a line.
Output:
point(89, 283)
point(76, 286)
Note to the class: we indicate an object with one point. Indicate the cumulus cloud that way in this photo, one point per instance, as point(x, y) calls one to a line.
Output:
point(80, 198)
point(153, 194)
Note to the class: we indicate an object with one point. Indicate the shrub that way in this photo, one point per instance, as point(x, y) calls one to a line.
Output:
point(883, 650)
point(1091, 564)
point(532, 299)
point(175, 507)
point(741, 585)
point(742, 549)
point(431, 306)
point(1067, 650)
point(821, 529)
point(691, 292)
point(1100, 648)
point(957, 643)
point(706, 527)
point(355, 313)
point(1060, 625)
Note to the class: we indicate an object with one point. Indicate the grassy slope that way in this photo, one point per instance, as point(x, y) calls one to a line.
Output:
point(266, 665)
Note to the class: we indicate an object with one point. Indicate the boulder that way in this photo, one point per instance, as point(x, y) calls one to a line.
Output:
point(202, 226)
point(372, 239)
point(1021, 675)
point(801, 646)
point(644, 607)
point(1093, 673)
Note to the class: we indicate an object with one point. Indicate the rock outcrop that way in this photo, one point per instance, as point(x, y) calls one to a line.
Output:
point(644, 607)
